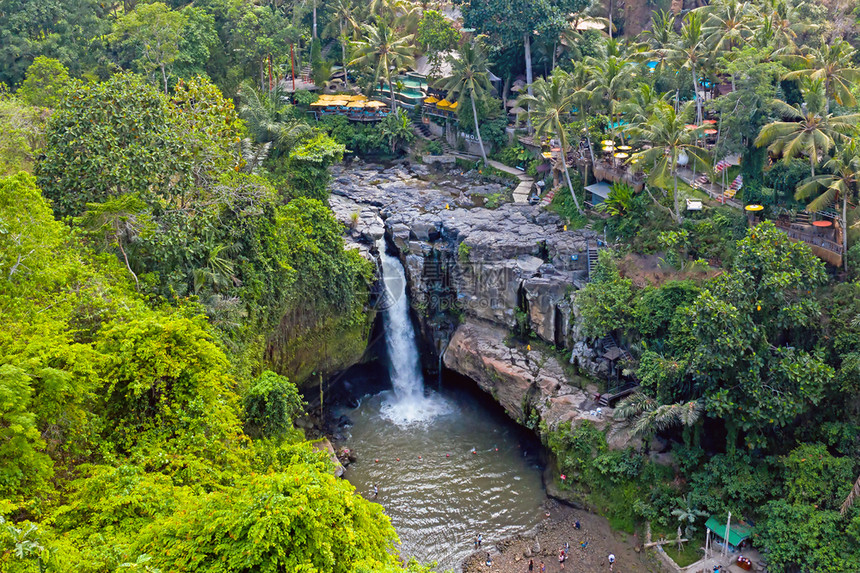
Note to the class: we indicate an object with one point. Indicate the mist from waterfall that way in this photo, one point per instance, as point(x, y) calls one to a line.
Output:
point(407, 403)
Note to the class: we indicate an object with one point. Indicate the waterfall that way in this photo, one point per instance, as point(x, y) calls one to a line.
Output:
point(408, 403)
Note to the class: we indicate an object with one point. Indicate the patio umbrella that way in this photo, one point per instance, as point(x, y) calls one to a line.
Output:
point(624, 148)
point(710, 132)
point(691, 126)
point(511, 103)
point(608, 142)
point(430, 99)
point(517, 110)
point(374, 103)
point(711, 121)
point(622, 155)
point(753, 208)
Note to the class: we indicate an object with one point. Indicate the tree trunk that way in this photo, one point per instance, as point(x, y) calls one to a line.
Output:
point(845, 230)
point(262, 76)
point(315, 19)
point(610, 19)
point(812, 164)
point(678, 218)
point(164, 77)
point(343, 57)
point(569, 183)
point(696, 95)
point(554, 49)
point(391, 90)
point(477, 128)
point(528, 49)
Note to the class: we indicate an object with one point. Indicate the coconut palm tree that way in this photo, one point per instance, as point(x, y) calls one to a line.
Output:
point(648, 416)
point(778, 25)
point(832, 64)
point(384, 51)
point(610, 80)
point(550, 105)
point(840, 183)
point(469, 79)
point(660, 38)
point(669, 137)
point(807, 131)
point(641, 102)
point(727, 24)
point(687, 53)
point(268, 116)
point(342, 24)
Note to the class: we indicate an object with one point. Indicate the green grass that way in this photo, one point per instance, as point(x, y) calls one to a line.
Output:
point(690, 551)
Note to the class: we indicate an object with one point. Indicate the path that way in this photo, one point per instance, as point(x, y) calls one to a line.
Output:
point(524, 187)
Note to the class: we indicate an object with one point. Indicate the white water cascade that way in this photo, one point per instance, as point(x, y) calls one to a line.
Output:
point(407, 403)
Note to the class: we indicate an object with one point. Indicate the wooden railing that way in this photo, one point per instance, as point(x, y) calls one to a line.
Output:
point(810, 238)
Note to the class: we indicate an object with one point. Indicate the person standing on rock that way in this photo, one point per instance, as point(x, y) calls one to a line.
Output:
point(476, 542)
point(375, 491)
point(480, 540)
point(561, 558)
point(611, 561)
point(531, 565)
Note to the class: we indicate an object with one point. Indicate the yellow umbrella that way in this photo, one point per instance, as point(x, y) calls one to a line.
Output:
point(608, 142)
point(430, 99)
point(355, 104)
point(622, 155)
point(624, 148)
point(358, 98)
point(608, 149)
point(455, 104)
point(754, 208)
point(444, 103)
point(320, 103)
point(374, 103)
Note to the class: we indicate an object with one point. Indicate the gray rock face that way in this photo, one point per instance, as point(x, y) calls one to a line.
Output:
point(526, 381)
point(493, 263)
point(474, 275)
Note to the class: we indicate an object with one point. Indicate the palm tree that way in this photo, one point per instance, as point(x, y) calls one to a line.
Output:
point(269, 117)
point(727, 24)
point(852, 495)
point(778, 26)
point(649, 417)
point(840, 183)
point(688, 52)
point(342, 22)
point(832, 64)
point(666, 131)
point(610, 79)
point(807, 133)
point(551, 104)
point(641, 102)
point(660, 38)
point(469, 79)
point(384, 51)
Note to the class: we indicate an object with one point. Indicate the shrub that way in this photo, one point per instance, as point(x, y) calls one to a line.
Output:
point(271, 404)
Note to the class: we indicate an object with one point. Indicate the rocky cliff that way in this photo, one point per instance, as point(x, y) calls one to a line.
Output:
point(476, 276)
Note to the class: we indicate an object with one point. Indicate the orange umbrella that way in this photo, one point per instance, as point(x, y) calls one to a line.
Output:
point(822, 223)
point(710, 131)
point(711, 121)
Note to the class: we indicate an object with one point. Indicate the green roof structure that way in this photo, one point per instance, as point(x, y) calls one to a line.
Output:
point(737, 531)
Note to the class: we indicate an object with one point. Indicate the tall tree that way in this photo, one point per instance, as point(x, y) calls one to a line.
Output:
point(385, 51)
point(155, 31)
point(841, 182)
point(808, 131)
point(470, 79)
point(831, 63)
point(688, 53)
point(727, 24)
point(551, 105)
point(669, 137)
point(343, 23)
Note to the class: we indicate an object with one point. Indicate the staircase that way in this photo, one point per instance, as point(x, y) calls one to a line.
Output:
point(593, 253)
point(547, 198)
